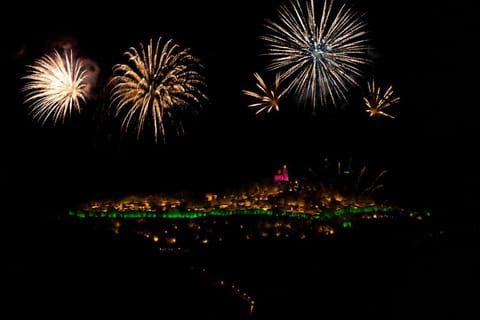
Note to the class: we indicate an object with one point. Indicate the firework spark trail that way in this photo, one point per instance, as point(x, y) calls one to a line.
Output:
point(56, 86)
point(379, 99)
point(267, 99)
point(319, 55)
point(357, 181)
point(155, 84)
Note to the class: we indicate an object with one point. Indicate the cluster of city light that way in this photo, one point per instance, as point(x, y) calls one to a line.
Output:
point(175, 231)
point(352, 190)
point(177, 214)
point(285, 209)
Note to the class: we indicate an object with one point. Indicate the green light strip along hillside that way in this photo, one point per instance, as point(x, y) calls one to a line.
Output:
point(177, 214)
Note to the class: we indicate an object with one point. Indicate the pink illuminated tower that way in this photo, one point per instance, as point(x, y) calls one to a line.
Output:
point(282, 174)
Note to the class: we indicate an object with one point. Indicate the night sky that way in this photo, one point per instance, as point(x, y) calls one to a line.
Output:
point(421, 49)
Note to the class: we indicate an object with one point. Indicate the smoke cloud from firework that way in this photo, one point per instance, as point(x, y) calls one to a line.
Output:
point(67, 43)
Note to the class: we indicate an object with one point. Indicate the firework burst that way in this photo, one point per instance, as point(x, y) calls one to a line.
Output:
point(267, 99)
point(379, 99)
point(154, 85)
point(322, 56)
point(57, 85)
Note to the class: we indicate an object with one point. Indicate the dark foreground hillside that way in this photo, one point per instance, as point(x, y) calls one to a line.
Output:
point(60, 270)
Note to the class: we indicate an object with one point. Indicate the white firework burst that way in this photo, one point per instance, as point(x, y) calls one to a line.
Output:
point(321, 55)
point(57, 85)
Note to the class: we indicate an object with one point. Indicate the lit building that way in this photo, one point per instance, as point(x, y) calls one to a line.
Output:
point(282, 174)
